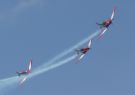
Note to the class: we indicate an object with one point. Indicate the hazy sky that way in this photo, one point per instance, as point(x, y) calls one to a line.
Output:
point(41, 29)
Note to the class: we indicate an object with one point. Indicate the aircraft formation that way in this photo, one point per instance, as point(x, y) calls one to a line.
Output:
point(80, 52)
point(103, 28)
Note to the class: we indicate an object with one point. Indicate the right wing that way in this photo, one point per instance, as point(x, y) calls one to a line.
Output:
point(89, 43)
point(113, 13)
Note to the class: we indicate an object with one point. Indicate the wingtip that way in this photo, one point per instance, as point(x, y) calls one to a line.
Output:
point(114, 8)
point(31, 60)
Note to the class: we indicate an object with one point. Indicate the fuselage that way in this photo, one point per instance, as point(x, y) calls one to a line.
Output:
point(107, 22)
point(84, 50)
point(23, 73)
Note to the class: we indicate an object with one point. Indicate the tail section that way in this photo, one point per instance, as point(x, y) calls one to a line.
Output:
point(77, 51)
point(100, 25)
point(18, 74)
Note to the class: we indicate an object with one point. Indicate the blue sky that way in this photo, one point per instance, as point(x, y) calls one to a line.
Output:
point(41, 29)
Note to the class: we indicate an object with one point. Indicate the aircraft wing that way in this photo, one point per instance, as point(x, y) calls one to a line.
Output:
point(30, 65)
point(89, 44)
point(23, 80)
point(81, 56)
point(112, 16)
point(102, 32)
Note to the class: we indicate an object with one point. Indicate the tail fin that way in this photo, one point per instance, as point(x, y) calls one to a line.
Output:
point(18, 73)
point(77, 51)
point(100, 25)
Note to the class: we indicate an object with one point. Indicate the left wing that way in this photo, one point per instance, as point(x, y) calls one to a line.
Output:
point(112, 16)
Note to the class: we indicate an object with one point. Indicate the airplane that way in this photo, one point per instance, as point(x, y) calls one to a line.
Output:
point(81, 52)
point(105, 24)
point(24, 73)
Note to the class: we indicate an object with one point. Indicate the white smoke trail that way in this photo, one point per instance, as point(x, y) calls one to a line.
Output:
point(20, 7)
point(49, 65)
point(67, 51)
point(6, 84)
point(24, 4)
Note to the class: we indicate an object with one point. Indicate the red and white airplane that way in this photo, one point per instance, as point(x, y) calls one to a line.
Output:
point(24, 73)
point(81, 52)
point(105, 24)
